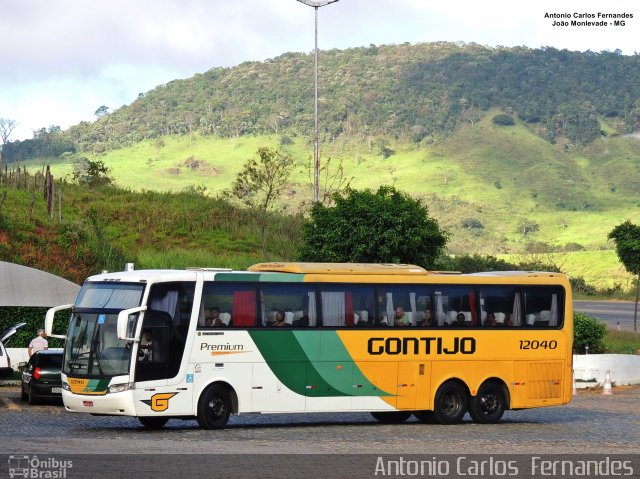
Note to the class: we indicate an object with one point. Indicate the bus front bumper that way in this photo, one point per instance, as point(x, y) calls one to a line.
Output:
point(113, 404)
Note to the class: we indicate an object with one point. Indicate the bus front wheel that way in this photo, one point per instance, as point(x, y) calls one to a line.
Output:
point(391, 417)
point(153, 422)
point(450, 404)
point(487, 407)
point(214, 408)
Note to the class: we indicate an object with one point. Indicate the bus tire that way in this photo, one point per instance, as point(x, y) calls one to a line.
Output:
point(450, 403)
point(153, 422)
point(214, 408)
point(487, 407)
point(391, 417)
point(425, 417)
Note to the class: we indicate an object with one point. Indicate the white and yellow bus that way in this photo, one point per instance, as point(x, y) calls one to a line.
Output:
point(393, 340)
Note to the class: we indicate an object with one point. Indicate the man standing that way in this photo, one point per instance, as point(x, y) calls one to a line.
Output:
point(39, 343)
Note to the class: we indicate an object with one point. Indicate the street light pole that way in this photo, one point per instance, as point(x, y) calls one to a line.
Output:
point(316, 155)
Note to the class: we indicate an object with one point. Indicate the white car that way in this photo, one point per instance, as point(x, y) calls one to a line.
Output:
point(6, 371)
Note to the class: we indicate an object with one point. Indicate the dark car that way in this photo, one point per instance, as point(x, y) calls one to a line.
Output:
point(41, 377)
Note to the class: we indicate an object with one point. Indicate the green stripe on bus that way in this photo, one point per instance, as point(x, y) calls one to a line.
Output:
point(259, 277)
point(291, 355)
point(238, 277)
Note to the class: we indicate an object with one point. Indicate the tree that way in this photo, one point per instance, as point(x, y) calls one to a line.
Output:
point(387, 226)
point(627, 239)
point(91, 172)
point(101, 111)
point(6, 128)
point(260, 184)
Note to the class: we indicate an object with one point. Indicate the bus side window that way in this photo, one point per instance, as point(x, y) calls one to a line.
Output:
point(543, 306)
point(346, 306)
point(227, 305)
point(288, 305)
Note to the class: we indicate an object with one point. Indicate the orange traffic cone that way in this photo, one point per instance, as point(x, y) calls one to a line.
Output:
point(607, 384)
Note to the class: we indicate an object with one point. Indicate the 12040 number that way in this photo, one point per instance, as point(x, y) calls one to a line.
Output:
point(535, 344)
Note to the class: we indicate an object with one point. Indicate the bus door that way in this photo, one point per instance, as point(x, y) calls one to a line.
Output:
point(160, 350)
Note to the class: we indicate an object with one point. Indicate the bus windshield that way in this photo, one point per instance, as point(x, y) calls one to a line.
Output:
point(93, 348)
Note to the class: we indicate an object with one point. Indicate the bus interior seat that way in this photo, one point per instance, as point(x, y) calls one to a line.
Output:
point(225, 318)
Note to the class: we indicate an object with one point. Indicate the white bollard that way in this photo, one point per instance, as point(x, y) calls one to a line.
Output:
point(607, 384)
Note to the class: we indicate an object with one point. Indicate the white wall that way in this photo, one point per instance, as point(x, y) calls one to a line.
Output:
point(625, 368)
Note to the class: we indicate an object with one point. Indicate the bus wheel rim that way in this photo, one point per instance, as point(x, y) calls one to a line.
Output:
point(217, 407)
point(451, 404)
point(489, 404)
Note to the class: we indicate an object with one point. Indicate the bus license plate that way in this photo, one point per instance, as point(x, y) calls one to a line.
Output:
point(56, 390)
point(87, 403)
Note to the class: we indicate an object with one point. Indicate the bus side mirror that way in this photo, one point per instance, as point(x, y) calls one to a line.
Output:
point(48, 320)
point(126, 327)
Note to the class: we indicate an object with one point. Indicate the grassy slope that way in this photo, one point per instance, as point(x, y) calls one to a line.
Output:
point(574, 196)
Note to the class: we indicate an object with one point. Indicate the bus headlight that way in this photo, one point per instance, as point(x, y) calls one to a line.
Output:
point(65, 386)
point(118, 388)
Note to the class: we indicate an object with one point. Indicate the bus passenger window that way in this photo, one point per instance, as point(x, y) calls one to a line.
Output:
point(228, 305)
point(500, 307)
point(542, 306)
point(286, 305)
point(403, 306)
point(346, 306)
point(455, 307)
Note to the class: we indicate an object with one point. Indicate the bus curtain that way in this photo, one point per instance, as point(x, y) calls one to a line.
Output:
point(243, 312)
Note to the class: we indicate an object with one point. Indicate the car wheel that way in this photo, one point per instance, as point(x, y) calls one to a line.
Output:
point(153, 422)
point(23, 394)
point(214, 408)
point(487, 407)
point(450, 404)
point(391, 417)
point(31, 398)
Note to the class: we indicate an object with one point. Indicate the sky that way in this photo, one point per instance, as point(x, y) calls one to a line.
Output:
point(61, 60)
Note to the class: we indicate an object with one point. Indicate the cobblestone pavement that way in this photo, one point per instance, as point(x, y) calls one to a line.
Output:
point(591, 423)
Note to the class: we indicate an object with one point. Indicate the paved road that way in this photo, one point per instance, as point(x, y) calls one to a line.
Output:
point(318, 445)
point(590, 423)
point(614, 313)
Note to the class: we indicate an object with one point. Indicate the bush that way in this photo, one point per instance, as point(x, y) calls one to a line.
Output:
point(588, 331)
point(472, 264)
point(472, 223)
point(503, 120)
point(579, 285)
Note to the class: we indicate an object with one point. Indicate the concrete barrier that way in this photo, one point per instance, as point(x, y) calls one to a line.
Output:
point(592, 368)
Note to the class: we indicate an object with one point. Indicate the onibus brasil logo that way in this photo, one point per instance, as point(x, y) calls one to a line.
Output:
point(35, 467)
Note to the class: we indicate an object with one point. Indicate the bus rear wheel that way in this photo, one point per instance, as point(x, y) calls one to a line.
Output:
point(487, 407)
point(153, 422)
point(214, 408)
point(450, 404)
point(391, 417)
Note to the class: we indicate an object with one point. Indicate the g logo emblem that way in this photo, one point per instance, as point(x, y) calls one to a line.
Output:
point(159, 402)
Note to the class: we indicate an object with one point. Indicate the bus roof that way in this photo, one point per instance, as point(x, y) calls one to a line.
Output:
point(339, 268)
point(285, 271)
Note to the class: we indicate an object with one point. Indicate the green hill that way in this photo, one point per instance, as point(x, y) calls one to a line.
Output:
point(417, 116)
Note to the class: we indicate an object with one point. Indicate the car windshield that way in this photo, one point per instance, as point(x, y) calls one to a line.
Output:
point(92, 347)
